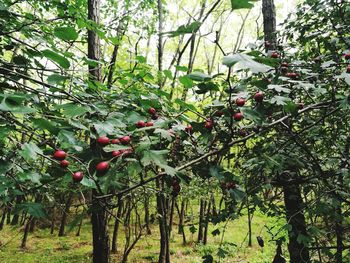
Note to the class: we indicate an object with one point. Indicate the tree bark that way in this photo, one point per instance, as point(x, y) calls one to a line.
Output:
point(98, 212)
point(160, 41)
point(26, 231)
point(65, 214)
point(269, 17)
point(164, 253)
point(116, 225)
point(295, 217)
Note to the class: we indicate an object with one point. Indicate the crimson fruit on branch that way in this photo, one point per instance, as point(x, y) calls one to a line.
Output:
point(300, 105)
point(152, 111)
point(284, 64)
point(103, 141)
point(64, 163)
point(102, 168)
point(348, 70)
point(59, 155)
point(209, 124)
point(292, 75)
point(268, 44)
point(238, 116)
point(140, 124)
point(125, 140)
point(77, 176)
point(117, 153)
point(149, 124)
point(115, 141)
point(259, 96)
point(189, 128)
point(275, 54)
point(347, 56)
point(240, 102)
point(126, 152)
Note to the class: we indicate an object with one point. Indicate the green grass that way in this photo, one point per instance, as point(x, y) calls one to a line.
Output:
point(43, 247)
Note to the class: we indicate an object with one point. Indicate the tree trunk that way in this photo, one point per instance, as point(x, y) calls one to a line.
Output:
point(52, 228)
point(201, 221)
point(205, 234)
point(98, 212)
point(65, 214)
point(147, 221)
point(295, 217)
point(26, 231)
point(171, 214)
point(3, 219)
point(160, 41)
point(15, 218)
point(164, 254)
point(116, 225)
point(269, 16)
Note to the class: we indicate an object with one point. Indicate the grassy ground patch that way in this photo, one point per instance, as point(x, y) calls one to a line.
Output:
point(43, 247)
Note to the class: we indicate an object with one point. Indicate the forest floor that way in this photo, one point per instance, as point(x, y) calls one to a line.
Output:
point(43, 247)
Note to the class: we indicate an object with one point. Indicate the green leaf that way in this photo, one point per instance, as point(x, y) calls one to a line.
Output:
point(13, 103)
point(33, 209)
point(279, 100)
point(222, 253)
point(168, 73)
point(242, 4)
point(185, 29)
point(243, 61)
point(199, 76)
point(67, 140)
point(205, 87)
point(154, 156)
point(279, 88)
point(208, 259)
point(66, 33)
point(45, 124)
point(73, 110)
point(186, 81)
point(30, 151)
point(56, 79)
point(55, 57)
point(31, 176)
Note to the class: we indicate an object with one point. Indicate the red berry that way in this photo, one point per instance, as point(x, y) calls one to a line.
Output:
point(103, 141)
point(259, 96)
point(60, 155)
point(347, 56)
point(102, 168)
point(268, 44)
point(209, 124)
point(238, 116)
point(116, 153)
point(275, 54)
point(300, 105)
point(292, 75)
point(115, 141)
point(64, 163)
point(284, 64)
point(348, 70)
point(149, 124)
point(140, 124)
point(152, 111)
point(125, 140)
point(77, 176)
point(240, 102)
point(127, 152)
point(189, 128)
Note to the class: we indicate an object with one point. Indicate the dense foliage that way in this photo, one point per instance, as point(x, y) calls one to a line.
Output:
point(269, 132)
